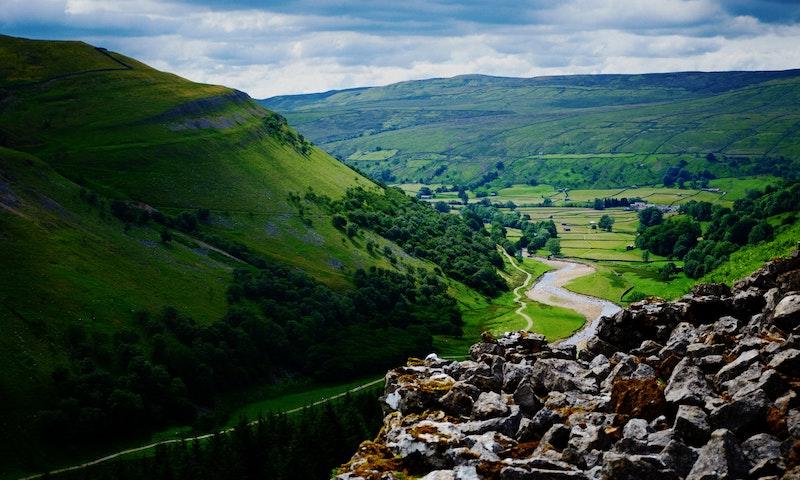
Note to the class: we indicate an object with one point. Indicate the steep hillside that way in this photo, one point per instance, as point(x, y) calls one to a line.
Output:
point(585, 130)
point(114, 125)
point(162, 241)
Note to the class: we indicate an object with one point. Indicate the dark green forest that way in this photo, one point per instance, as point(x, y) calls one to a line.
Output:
point(306, 445)
point(460, 246)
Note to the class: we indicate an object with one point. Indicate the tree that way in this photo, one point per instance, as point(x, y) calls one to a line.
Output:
point(554, 245)
point(424, 191)
point(352, 230)
point(599, 204)
point(666, 272)
point(166, 236)
point(547, 202)
point(762, 231)
point(338, 221)
point(442, 207)
point(649, 217)
point(606, 223)
point(645, 256)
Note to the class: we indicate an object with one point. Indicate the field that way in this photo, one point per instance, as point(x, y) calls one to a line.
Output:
point(374, 155)
point(623, 284)
point(600, 131)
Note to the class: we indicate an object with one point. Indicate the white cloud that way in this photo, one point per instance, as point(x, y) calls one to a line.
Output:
point(268, 53)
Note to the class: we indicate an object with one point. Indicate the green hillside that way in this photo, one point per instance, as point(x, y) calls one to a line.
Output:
point(596, 131)
point(166, 242)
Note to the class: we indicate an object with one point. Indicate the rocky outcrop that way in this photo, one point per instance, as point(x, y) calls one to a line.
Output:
point(704, 387)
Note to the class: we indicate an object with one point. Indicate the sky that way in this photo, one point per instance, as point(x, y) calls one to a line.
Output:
point(268, 48)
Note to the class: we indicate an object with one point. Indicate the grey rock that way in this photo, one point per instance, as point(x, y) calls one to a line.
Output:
point(787, 313)
point(544, 419)
point(711, 363)
point(701, 349)
point(584, 438)
point(744, 381)
point(679, 457)
point(460, 398)
point(637, 429)
point(624, 366)
point(647, 348)
point(600, 367)
point(635, 467)
point(741, 412)
point(682, 335)
point(555, 374)
point(687, 384)
point(720, 458)
point(525, 397)
point(643, 371)
point(656, 441)
point(763, 452)
point(793, 423)
point(771, 299)
point(440, 475)
point(736, 367)
point(513, 374)
point(479, 349)
point(749, 301)
point(691, 425)
point(726, 326)
point(520, 473)
point(507, 425)
point(748, 343)
point(787, 362)
point(557, 436)
point(488, 405)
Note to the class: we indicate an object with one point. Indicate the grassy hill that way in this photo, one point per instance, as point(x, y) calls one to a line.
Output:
point(596, 131)
point(84, 131)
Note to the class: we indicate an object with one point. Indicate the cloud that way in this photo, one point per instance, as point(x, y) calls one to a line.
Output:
point(313, 45)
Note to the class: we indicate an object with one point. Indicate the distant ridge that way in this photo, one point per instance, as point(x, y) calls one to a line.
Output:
point(566, 130)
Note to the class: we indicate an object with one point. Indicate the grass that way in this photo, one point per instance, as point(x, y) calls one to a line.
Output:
point(554, 322)
point(743, 262)
point(591, 132)
point(374, 155)
point(141, 134)
point(499, 315)
point(624, 283)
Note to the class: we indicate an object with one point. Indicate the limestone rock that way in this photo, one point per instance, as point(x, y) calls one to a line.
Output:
point(687, 384)
point(787, 313)
point(488, 405)
point(721, 458)
point(691, 425)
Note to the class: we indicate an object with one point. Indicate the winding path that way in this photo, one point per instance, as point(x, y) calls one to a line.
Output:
point(517, 296)
point(550, 290)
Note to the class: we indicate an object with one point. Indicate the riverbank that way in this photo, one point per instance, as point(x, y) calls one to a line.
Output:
point(549, 290)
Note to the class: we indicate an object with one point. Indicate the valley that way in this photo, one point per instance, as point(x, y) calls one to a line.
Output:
point(192, 268)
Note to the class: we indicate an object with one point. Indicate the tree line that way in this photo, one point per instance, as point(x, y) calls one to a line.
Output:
point(459, 245)
point(727, 230)
point(309, 444)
